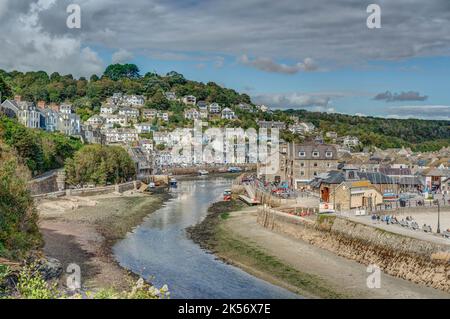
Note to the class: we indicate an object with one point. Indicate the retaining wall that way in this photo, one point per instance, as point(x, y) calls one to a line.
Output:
point(412, 259)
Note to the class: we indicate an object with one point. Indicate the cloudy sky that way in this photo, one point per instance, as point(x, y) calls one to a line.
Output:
point(317, 55)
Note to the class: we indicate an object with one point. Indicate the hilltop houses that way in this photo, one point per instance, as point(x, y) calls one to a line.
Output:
point(192, 114)
point(60, 119)
point(214, 108)
point(228, 114)
point(123, 100)
point(121, 135)
point(190, 100)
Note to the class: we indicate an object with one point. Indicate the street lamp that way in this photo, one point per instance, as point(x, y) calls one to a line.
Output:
point(438, 230)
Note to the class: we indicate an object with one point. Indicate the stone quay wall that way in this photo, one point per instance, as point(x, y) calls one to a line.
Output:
point(419, 261)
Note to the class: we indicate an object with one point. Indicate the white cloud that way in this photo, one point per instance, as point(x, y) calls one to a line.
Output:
point(27, 47)
point(428, 112)
point(269, 65)
point(312, 101)
point(122, 56)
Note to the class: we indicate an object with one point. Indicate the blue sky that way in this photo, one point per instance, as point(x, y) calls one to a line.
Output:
point(317, 55)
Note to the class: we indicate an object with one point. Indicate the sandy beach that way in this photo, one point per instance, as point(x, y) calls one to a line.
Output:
point(82, 230)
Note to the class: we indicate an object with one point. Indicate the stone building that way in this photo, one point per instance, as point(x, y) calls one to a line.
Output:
point(306, 161)
point(358, 194)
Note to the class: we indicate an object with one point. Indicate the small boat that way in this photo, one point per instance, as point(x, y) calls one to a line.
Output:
point(227, 195)
point(203, 172)
point(173, 182)
point(234, 170)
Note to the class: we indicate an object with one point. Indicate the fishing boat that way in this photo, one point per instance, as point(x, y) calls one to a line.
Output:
point(227, 195)
point(203, 172)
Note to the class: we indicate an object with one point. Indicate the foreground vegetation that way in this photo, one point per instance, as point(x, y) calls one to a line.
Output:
point(18, 218)
point(30, 285)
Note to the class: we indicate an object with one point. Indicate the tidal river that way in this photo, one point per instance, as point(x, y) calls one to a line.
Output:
point(160, 251)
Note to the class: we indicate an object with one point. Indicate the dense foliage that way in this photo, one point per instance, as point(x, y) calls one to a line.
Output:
point(39, 150)
point(99, 165)
point(18, 229)
point(88, 95)
point(420, 135)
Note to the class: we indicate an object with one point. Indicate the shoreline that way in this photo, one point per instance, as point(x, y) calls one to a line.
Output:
point(83, 230)
point(232, 249)
point(234, 237)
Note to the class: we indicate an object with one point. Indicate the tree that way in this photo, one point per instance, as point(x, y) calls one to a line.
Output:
point(119, 71)
point(5, 90)
point(99, 165)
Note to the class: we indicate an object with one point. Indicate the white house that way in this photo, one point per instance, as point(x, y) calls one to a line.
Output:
point(143, 127)
point(69, 124)
point(163, 116)
point(190, 100)
point(95, 121)
point(228, 114)
point(146, 145)
point(171, 96)
point(117, 119)
point(149, 114)
point(192, 114)
point(121, 135)
point(350, 141)
point(214, 108)
point(107, 109)
point(130, 113)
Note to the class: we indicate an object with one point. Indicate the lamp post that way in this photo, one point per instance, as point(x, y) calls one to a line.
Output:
point(438, 230)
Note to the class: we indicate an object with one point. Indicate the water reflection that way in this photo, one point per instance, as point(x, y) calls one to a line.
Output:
point(159, 249)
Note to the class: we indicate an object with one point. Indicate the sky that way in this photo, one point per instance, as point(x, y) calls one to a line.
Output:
point(315, 55)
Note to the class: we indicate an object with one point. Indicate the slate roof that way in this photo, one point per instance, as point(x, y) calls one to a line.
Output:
point(312, 147)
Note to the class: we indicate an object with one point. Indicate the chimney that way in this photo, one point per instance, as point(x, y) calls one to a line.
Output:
point(18, 98)
point(41, 104)
point(54, 107)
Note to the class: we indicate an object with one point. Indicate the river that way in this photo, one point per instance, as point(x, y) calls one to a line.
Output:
point(158, 250)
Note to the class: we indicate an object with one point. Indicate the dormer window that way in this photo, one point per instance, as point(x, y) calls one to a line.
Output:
point(329, 154)
point(301, 154)
point(315, 154)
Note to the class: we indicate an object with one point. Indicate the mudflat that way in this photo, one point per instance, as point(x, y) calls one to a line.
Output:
point(82, 230)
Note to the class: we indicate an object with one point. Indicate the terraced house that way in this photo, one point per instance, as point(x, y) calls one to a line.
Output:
point(308, 160)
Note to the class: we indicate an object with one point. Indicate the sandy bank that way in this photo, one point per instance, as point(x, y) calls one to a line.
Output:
point(82, 230)
point(294, 264)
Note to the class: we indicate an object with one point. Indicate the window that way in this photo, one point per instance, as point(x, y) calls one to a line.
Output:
point(302, 173)
point(301, 154)
point(315, 154)
point(315, 164)
point(302, 164)
point(315, 173)
point(329, 154)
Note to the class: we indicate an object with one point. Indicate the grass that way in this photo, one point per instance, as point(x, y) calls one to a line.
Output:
point(225, 216)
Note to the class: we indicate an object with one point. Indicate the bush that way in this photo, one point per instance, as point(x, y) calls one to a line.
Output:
point(99, 165)
point(19, 232)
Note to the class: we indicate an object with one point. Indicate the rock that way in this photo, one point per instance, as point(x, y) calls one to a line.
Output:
point(51, 268)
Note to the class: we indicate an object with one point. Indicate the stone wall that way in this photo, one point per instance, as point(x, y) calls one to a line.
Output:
point(412, 259)
point(43, 185)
